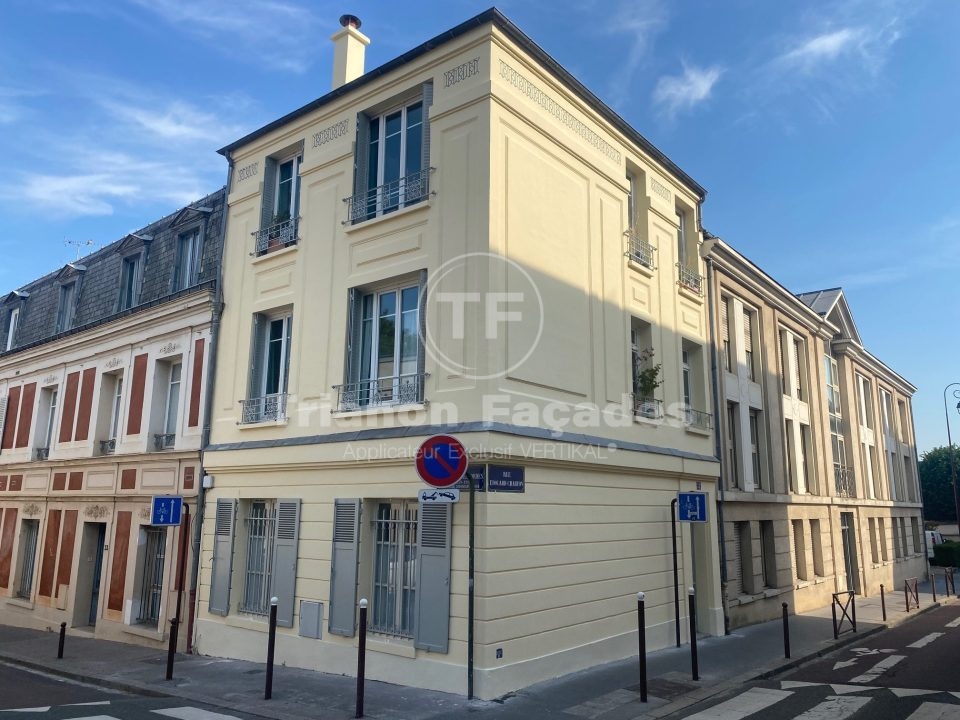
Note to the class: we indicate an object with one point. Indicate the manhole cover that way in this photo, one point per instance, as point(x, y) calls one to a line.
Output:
point(666, 689)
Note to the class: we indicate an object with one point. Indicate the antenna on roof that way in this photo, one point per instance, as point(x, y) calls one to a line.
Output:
point(78, 244)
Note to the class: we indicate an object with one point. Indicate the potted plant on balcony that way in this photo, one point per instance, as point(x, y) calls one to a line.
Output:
point(276, 229)
point(646, 379)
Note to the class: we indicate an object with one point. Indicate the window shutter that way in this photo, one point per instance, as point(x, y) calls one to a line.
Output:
point(268, 199)
point(432, 628)
point(747, 331)
point(794, 356)
point(361, 151)
point(219, 602)
point(343, 567)
point(354, 329)
point(422, 322)
point(3, 413)
point(258, 341)
point(425, 146)
point(296, 185)
point(286, 355)
point(724, 320)
point(285, 559)
point(738, 561)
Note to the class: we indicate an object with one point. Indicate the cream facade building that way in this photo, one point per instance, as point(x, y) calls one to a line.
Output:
point(820, 490)
point(513, 265)
point(104, 373)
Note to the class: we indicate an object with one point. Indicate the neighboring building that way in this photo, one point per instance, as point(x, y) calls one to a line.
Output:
point(820, 487)
point(476, 169)
point(102, 384)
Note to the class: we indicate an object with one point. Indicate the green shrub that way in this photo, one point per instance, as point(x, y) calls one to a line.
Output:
point(947, 554)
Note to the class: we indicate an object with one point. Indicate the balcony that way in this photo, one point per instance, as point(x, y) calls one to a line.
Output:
point(264, 409)
point(689, 279)
point(41, 453)
point(698, 419)
point(387, 198)
point(639, 250)
point(275, 237)
point(108, 447)
point(844, 481)
point(647, 407)
point(397, 390)
point(164, 441)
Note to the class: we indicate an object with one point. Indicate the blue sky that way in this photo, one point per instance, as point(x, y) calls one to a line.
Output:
point(825, 132)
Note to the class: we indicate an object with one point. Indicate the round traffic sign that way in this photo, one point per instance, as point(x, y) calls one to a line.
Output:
point(441, 461)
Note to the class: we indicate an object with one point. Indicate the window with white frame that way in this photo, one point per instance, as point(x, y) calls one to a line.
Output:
point(165, 418)
point(187, 270)
point(691, 379)
point(27, 556)
point(110, 412)
point(65, 306)
point(116, 407)
point(280, 202)
point(270, 368)
point(48, 413)
point(394, 581)
point(258, 564)
point(130, 282)
point(13, 320)
point(757, 438)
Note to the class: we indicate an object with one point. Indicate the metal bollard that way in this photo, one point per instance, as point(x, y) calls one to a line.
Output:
point(694, 665)
point(271, 646)
point(642, 637)
point(361, 656)
point(63, 637)
point(933, 584)
point(833, 609)
point(853, 610)
point(906, 596)
point(883, 603)
point(786, 633)
point(172, 646)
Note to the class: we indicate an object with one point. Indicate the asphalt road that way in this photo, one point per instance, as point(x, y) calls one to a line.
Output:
point(909, 672)
point(37, 696)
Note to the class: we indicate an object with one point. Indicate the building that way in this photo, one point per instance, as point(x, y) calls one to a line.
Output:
point(103, 378)
point(820, 489)
point(513, 264)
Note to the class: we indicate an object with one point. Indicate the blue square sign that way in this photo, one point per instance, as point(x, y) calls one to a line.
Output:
point(166, 510)
point(692, 507)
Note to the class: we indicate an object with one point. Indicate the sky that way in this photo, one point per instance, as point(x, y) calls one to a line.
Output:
point(824, 131)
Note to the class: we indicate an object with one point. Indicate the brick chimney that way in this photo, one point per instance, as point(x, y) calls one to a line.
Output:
point(349, 45)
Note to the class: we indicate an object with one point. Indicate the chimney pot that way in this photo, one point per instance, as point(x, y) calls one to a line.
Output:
point(350, 20)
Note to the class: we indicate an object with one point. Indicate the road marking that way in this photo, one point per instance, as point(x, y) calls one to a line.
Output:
point(936, 711)
point(925, 640)
point(845, 663)
point(953, 623)
point(846, 689)
point(792, 684)
point(33, 709)
point(192, 713)
point(97, 702)
point(835, 707)
point(910, 692)
point(754, 700)
point(879, 669)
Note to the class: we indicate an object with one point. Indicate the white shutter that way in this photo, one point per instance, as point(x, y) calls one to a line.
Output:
point(223, 532)
point(3, 412)
point(343, 567)
point(747, 331)
point(432, 630)
point(725, 320)
point(287, 534)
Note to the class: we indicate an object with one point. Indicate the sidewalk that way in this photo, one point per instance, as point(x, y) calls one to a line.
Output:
point(607, 692)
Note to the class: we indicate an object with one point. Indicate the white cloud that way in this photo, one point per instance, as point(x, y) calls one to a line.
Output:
point(676, 93)
point(822, 48)
point(178, 120)
point(641, 21)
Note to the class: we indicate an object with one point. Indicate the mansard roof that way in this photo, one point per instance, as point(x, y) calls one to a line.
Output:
point(98, 275)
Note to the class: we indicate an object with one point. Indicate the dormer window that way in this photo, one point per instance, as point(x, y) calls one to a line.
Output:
point(130, 282)
point(66, 306)
point(187, 270)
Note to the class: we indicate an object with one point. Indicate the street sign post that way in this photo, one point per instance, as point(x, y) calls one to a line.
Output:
point(692, 506)
point(165, 510)
point(441, 461)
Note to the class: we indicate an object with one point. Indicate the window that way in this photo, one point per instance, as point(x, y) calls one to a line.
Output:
point(791, 454)
point(768, 553)
point(691, 375)
point(13, 319)
point(644, 371)
point(748, 319)
point(806, 458)
point(864, 402)
point(116, 405)
point(258, 568)
point(171, 407)
point(817, 543)
point(799, 550)
point(915, 533)
point(130, 282)
point(394, 568)
point(187, 270)
point(882, 538)
point(733, 447)
point(65, 306)
point(682, 236)
point(725, 305)
point(29, 530)
point(744, 550)
point(280, 204)
point(152, 551)
point(755, 439)
point(687, 275)
point(874, 551)
point(903, 536)
point(270, 368)
point(897, 550)
point(48, 413)
point(386, 354)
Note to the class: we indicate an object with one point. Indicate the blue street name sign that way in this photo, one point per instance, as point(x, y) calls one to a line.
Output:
point(475, 473)
point(502, 478)
point(166, 510)
point(692, 507)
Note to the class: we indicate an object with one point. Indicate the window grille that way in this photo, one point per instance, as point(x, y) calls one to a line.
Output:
point(28, 553)
point(151, 581)
point(395, 569)
point(259, 525)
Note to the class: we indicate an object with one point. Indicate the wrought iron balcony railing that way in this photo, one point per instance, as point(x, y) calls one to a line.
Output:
point(164, 441)
point(639, 250)
point(689, 279)
point(698, 419)
point(41, 453)
point(844, 481)
point(107, 447)
point(647, 407)
point(276, 236)
point(398, 390)
point(264, 409)
point(388, 197)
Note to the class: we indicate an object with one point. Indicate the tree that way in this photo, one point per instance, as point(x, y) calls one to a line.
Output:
point(936, 484)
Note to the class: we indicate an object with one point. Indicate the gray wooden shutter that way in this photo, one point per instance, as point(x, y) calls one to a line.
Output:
point(296, 186)
point(351, 372)
point(219, 602)
point(268, 199)
point(258, 342)
point(285, 558)
point(286, 357)
point(432, 629)
point(422, 329)
point(361, 152)
point(425, 146)
point(724, 319)
point(343, 567)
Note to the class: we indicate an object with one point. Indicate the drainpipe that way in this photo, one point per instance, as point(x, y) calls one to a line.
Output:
point(706, 250)
point(217, 313)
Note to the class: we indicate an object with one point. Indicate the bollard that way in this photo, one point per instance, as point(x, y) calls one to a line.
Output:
point(906, 596)
point(172, 646)
point(883, 603)
point(694, 665)
point(63, 636)
point(853, 609)
point(833, 609)
point(642, 636)
point(361, 656)
point(786, 633)
point(271, 645)
point(933, 584)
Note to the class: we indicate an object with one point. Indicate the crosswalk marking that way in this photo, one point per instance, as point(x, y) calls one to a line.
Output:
point(953, 623)
point(936, 711)
point(877, 670)
point(193, 713)
point(791, 684)
point(847, 689)
point(95, 702)
point(754, 700)
point(910, 692)
point(925, 640)
point(835, 707)
point(33, 709)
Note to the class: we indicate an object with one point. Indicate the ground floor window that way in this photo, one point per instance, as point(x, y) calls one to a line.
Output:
point(151, 574)
point(395, 568)
point(260, 532)
point(29, 530)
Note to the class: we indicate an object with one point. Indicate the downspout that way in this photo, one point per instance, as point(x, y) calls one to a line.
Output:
point(217, 313)
point(714, 381)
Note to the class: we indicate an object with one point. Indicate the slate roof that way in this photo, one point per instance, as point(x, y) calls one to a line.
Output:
point(821, 301)
point(98, 276)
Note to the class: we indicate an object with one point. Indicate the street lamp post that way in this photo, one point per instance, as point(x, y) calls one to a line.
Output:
point(953, 463)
